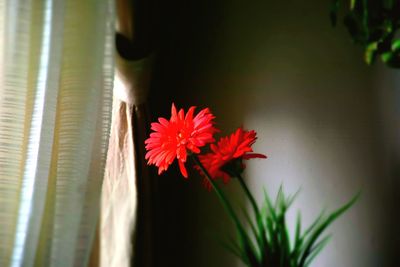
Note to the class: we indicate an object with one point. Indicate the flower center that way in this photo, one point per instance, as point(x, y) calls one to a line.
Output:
point(181, 138)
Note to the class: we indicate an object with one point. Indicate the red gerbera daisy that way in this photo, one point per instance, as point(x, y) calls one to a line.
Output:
point(174, 138)
point(237, 146)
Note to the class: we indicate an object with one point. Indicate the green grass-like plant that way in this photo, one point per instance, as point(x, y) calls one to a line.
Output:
point(266, 242)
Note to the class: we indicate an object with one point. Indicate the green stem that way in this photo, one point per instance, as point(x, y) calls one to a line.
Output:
point(248, 194)
point(261, 238)
point(248, 254)
point(365, 17)
point(217, 190)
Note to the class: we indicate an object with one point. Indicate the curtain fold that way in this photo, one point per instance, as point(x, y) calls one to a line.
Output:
point(56, 77)
point(126, 197)
point(127, 208)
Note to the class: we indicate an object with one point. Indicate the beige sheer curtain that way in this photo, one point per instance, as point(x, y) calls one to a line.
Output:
point(56, 76)
point(126, 221)
point(124, 173)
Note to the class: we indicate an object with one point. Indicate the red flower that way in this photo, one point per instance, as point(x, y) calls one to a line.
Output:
point(178, 136)
point(236, 146)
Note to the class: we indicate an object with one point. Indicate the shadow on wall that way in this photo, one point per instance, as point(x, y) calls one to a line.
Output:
point(279, 68)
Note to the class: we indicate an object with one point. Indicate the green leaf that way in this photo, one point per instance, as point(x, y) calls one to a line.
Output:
point(317, 249)
point(280, 198)
point(284, 241)
point(269, 207)
point(321, 227)
point(248, 248)
point(371, 52)
point(253, 259)
point(314, 224)
point(298, 240)
point(291, 199)
point(396, 45)
point(365, 18)
point(258, 235)
point(352, 4)
point(233, 248)
point(333, 12)
point(250, 222)
point(387, 56)
point(262, 237)
point(273, 240)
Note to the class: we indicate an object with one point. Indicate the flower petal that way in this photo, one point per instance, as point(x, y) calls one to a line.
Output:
point(173, 138)
point(254, 155)
point(183, 168)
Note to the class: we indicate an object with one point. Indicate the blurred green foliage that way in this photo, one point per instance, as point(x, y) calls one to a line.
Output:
point(266, 242)
point(273, 246)
point(374, 25)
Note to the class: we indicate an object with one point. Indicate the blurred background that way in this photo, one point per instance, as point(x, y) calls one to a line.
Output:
point(328, 123)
